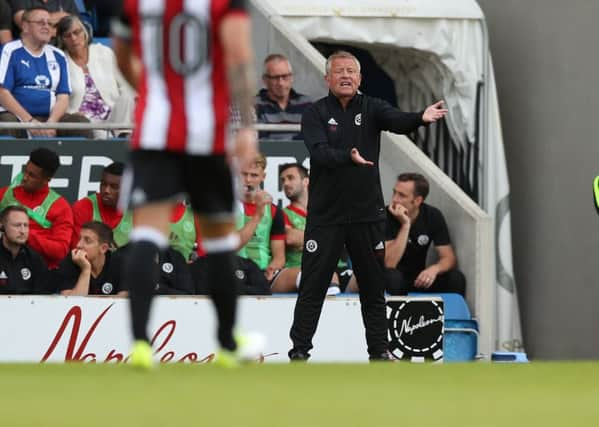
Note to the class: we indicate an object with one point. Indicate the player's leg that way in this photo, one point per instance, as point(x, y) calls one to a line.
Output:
point(150, 187)
point(220, 241)
point(210, 186)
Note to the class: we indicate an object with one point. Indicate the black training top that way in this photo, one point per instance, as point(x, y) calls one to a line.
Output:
point(429, 227)
point(340, 191)
point(175, 275)
point(108, 281)
point(25, 274)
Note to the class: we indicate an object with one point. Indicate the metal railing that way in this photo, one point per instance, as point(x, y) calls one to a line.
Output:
point(125, 126)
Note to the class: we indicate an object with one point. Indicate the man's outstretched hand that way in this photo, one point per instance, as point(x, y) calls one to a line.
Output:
point(434, 112)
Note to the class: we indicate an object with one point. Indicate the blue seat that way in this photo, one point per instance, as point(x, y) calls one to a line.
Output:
point(454, 305)
point(460, 343)
point(106, 41)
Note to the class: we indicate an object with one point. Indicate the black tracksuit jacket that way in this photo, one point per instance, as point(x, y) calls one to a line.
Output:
point(342, 192)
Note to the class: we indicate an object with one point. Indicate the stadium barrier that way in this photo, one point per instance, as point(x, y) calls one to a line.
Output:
point(96, 329)
point(82, 161)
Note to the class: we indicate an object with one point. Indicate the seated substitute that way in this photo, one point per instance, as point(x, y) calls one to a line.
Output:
point(249, 278)
point(261, 225)
point(34, 80)
point(51, 224)
point(91, 268)
point(278, 103)
point(294, 179)
point(175, 275)
point(22, 270)
point(102, 207)
point(184, 234)
point(412, 226)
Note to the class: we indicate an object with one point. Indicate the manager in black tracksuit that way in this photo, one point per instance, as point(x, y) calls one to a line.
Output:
point(342, 134)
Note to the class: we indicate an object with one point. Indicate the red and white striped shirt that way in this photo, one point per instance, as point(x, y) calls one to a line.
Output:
point(183, 102)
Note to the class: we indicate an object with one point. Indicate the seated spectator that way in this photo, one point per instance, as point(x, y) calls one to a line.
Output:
point(278, 103)
point(22, 270)
point(261, 225)
point(294, 179)
point(175, 275)
point(5, 22)
point(57, 9)
point(51, 224)
point(98, 89)
point(102, 206)
point(91, 268)
point(34, 79)
point(412, 226)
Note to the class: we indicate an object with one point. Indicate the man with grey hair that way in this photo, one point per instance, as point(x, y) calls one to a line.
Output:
point(278, 102)
point(346, 207)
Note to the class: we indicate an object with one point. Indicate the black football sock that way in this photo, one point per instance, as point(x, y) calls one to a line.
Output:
point(220, 272)
point(140, 275)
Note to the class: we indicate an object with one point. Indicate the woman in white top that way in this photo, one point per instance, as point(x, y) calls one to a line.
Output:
point(99, 91)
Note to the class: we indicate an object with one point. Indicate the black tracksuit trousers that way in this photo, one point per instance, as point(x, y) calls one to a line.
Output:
point(322, 247)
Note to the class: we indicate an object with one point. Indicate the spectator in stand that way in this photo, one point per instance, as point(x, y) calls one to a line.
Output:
point(34, 79)
point(51, 227)
point(261, 230)
point(22, 270)
point(98, 89)
point(5, 22)
point(294, 179)
point(102, 206)
point(57, 9)
point(91, 268)
point(412, 226)
point(278, 103)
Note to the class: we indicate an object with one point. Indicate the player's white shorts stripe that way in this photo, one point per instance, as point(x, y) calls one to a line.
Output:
point(199, 92)
point(155, 120)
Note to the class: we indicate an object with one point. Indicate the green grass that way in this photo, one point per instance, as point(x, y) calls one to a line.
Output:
point(478, 394)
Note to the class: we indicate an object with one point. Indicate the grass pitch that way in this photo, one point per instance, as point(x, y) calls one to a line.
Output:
point(395, 394)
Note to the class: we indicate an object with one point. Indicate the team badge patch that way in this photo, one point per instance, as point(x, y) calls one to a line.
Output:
point(240, 274)
point(167, 267)
point(311, 246)
point(107, 288)
point(358, 119)
point(25, 273)
point(423, 240)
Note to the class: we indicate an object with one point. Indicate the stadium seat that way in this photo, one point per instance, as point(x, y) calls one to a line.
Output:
point(106, 41)
point(461, 331)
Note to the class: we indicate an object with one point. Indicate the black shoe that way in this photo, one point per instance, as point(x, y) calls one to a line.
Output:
point(298, 355)
point(386, 356)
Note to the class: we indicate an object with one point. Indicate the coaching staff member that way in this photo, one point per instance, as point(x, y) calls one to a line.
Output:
point(342, 134)
point(22, 270)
